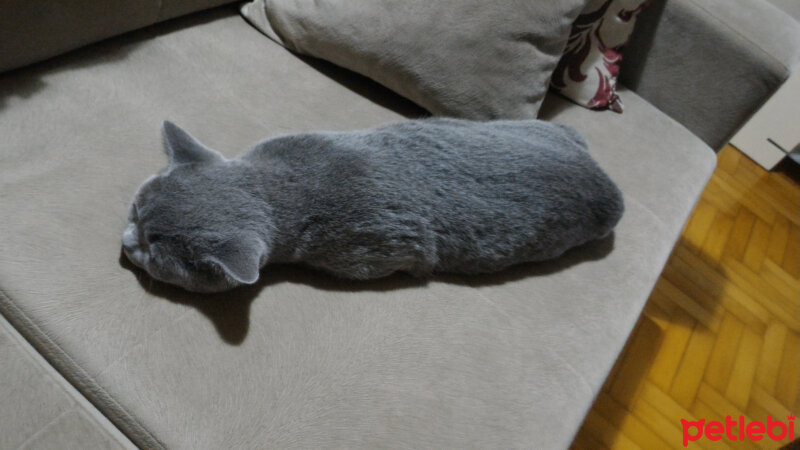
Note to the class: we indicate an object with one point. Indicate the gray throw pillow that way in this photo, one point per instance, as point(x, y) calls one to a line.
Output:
point(473, 59)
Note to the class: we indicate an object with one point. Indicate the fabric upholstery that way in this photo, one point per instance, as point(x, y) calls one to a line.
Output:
point(791, 7)
point(39, 409)
point(710, 64)
point(302, 360)
point(31, 31)
point(469, 59)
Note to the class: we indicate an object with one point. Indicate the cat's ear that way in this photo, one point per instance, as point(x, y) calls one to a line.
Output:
point(184, 149)
point(240, 258)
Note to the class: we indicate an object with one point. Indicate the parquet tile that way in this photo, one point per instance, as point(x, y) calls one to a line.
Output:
point(584, 439)
point(673, 345)
point(724, 353)
point(692, 367)
point(602, 430)
point(778, 239)
point(744, 369)
point(740, 235)
point(699, 224)
point(628, 424)
point(757, 245)
point(717, 239)
point(773, 406)
point(767, 295)
point(789, 373)
point(722, 199)
point(771, 356)
point(665, 427)
point(672, 410)
point(720, 334)
point(675, 296)
point(748, 200)
point(791, 256)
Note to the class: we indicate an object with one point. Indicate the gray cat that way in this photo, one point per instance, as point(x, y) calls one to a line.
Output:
point(420, 196)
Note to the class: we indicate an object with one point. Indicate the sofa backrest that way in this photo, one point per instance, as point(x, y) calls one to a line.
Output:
point(34, 30)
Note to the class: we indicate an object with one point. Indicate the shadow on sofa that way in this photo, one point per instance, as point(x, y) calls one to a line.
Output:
point(230, 311)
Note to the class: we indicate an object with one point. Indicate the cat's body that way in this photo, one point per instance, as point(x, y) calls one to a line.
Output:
point(420, 196)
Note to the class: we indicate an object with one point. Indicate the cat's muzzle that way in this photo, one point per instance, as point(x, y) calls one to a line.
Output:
point(132, 247)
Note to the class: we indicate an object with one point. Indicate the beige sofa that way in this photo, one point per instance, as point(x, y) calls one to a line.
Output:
point(96, 355)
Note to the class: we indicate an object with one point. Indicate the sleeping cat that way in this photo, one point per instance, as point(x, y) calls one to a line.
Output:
point(422, 196)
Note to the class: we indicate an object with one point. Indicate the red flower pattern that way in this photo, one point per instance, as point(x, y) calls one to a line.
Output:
point(587, 72)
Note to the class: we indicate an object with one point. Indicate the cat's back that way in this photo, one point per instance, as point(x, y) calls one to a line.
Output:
point(477, 159)
point(479, 156)
point(446, 138)
point(482, 194)
point(422, 139)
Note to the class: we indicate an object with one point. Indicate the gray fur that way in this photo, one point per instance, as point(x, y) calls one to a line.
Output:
point(419, 196)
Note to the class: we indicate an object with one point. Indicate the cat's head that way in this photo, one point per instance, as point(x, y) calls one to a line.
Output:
point(192, 225)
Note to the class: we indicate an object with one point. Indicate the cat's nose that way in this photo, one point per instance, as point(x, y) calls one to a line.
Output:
point(129, 237)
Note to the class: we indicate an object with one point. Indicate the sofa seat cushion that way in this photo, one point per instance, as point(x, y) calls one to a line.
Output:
point(302, 360)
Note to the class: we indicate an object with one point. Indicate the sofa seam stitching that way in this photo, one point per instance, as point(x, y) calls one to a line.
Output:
point(45, 341)
point(55, 377)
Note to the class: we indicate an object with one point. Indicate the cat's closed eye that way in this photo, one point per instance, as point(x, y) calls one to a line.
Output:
point(153, 237)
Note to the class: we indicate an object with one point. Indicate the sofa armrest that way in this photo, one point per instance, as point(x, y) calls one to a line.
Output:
point(710, 64)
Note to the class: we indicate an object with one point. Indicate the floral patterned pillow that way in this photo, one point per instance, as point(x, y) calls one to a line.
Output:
point(587, 72)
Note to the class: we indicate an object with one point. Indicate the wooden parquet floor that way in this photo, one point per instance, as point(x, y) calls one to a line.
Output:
point(720, 334)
